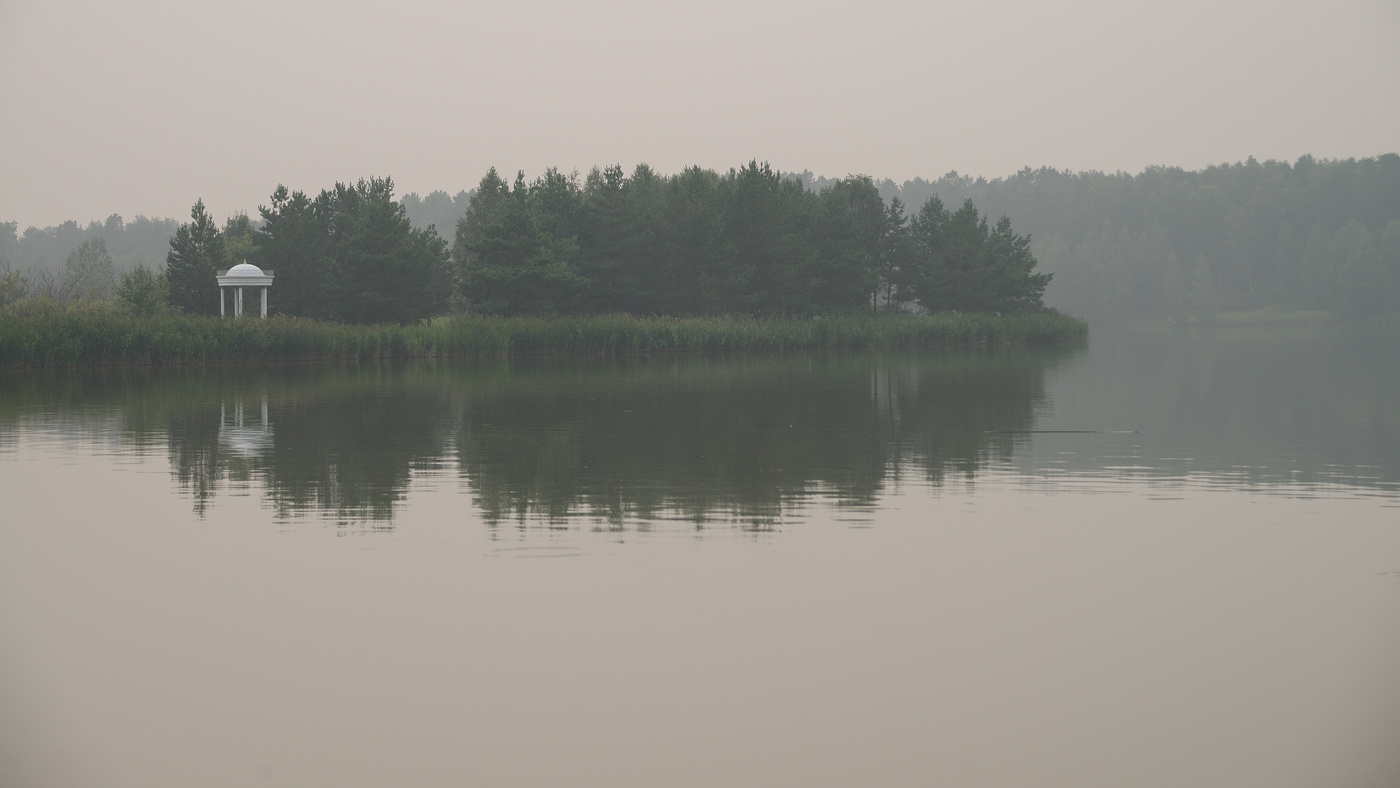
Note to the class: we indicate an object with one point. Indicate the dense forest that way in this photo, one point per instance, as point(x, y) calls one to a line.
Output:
point(746, 242)
point(1313, 234)
point(749, 242)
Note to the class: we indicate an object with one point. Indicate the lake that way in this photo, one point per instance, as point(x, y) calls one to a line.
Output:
point(1158, 559)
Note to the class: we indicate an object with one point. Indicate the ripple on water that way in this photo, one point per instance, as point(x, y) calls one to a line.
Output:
point(536, 551)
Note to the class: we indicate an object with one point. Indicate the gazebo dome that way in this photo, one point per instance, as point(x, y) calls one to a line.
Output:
point(245, 269)
point(239, 277)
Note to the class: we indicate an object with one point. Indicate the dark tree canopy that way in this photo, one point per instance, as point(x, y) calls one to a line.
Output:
point(751, 241)
point(196, 254)
point(962, 265)
point(351, 255)
point(521, 258)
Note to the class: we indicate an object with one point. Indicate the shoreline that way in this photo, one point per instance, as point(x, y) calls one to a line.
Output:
point(77, 335)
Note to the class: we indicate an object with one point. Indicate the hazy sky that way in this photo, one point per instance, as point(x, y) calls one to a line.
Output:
point(143, 106)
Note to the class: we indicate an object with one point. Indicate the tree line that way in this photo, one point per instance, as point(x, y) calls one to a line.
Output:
point(750, 241)
point(1167, 242)
point(349, 254)
point(70, 260)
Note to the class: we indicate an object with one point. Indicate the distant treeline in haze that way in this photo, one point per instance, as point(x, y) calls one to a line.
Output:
point(748, 242)
point(1313, 234)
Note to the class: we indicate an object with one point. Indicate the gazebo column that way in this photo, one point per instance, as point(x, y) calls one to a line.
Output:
point(264, 302)
point(221, 302)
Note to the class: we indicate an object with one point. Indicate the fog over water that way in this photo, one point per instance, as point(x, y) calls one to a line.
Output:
point(142, 107)
point(1166, 557)
point(1156, 560)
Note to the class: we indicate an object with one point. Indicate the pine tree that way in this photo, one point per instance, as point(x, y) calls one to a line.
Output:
point(196, 254)
point(384, 270)
point(292, 243)
point(896, 260)
point(511, 262)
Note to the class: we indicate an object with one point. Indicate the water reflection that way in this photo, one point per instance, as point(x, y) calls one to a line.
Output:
point(338, 439)
point(742, 439)
point(244, 439)
point(738, 438)
point(1297, 410)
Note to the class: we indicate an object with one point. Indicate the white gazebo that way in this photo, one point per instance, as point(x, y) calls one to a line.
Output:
point(241, 276)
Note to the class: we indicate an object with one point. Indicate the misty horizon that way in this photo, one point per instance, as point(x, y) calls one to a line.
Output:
point(813, 180)
point(144, 107)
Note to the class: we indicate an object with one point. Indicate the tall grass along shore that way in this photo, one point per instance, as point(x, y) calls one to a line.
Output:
point(39, 334)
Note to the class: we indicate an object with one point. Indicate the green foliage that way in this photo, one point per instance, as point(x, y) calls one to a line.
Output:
point(962, 265)
point(196, 254)
point(13, 285)
point(383, 270)
point(351, 255)
point(240, 239)
point(751, 241)
point(42, 332)
point(143, 291)
point(88, 272)
point(294, 243)
point(897, 261)
point(515, 256)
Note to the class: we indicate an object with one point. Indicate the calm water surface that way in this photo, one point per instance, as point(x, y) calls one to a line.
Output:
point(1154, 560)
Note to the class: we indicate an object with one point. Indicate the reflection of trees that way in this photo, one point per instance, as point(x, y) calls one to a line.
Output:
point(966, 409)
point(738, 436)
point(195, 459)
point(339, 438)
point(353, 451)
point(697, 438)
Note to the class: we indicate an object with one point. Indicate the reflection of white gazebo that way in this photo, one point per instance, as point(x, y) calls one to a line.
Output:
point(241, 276)
point(241, 438)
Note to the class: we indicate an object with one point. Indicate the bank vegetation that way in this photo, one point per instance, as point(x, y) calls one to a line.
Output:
point(45, 333)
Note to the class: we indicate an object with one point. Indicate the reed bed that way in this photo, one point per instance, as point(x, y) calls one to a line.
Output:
point(46, 334)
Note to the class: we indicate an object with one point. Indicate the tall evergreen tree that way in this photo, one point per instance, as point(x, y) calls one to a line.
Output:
point(352, 255)
point(1009, 282)
point(384, 270)
point(928, 239)
point(895, 264)
point(293, 243)
point(603, 230)
point(962, 265)
point(849, 229)
point(196, 254)
point(510, 262)
point(701, 255)
point(764, 226)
